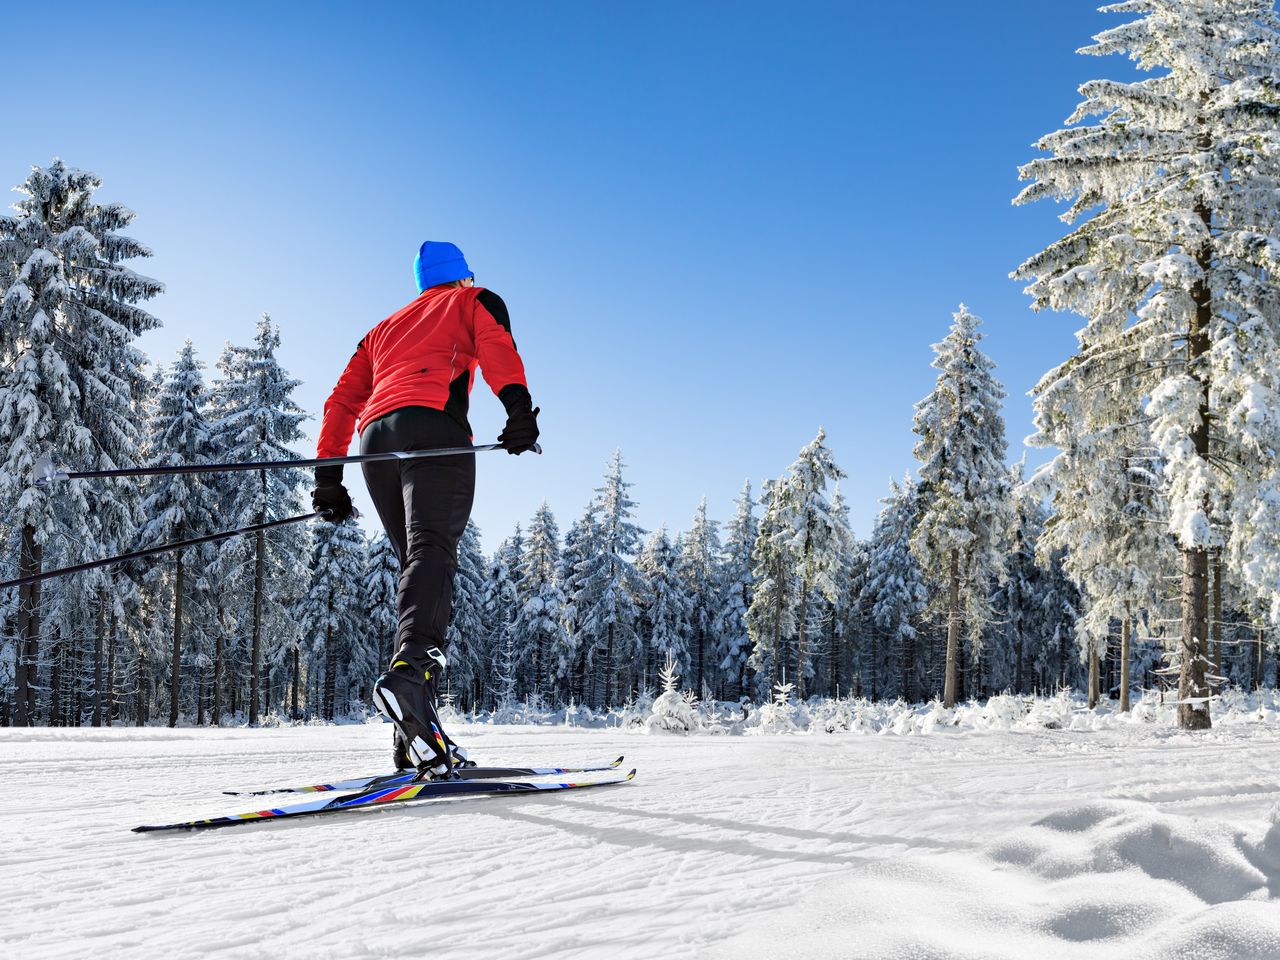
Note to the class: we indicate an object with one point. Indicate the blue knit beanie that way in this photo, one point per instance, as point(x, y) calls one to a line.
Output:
point(438, 263)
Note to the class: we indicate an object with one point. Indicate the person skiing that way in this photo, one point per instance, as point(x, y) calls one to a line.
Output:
point(407, 387)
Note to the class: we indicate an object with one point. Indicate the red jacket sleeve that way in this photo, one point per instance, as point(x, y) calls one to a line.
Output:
point(495, 348)
point(345, 404)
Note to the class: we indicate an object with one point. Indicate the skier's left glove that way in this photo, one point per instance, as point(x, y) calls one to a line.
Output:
point(521, 432)
point(330, 498)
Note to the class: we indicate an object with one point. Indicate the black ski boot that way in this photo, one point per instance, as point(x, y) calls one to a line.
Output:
point(400, 752)
point(405, 695)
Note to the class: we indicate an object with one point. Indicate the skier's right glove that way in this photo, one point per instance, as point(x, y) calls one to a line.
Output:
point(330, 498)
point(521, 432)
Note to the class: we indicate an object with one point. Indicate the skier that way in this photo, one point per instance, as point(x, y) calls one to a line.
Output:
point(407, 387)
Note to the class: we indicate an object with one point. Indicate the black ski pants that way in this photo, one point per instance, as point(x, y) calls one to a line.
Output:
point(424, 505)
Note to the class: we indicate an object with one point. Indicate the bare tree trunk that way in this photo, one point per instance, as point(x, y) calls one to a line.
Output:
point(217, 673)
point(1193, 693)
point(1217, 614)
point(99, 625)
point(953, 634)
point(1093, 673)
point(801, 636)
point(175, 667)
point(1260, 649)
point(28, 630)
point(56, 654)
point(141, 714)
point(330, 672)
point(293, 690)
point(1126, 640)
point(255, 666)
point(608, 671)
point(113, 706)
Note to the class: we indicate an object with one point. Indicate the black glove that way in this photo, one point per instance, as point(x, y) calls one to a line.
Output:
point(521, 432)
point(330, 498)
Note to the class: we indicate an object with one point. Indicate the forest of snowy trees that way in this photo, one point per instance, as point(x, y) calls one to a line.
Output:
point(1145, 553)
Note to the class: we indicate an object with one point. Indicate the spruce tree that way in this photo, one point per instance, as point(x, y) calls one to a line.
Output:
point(258, 419)
point(607, 585)
point(818, 545)
point(381, 589)
point(700, 575)
point(964, 487)
point(771, 617)
point(539, 624)
point(1170, 259)
point(180, 506)
point(469, 648)
point(894, 591)
point(71, 380)
point(665, 607)
point(733, 650)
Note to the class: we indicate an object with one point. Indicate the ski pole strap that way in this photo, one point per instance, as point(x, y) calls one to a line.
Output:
point(44, 472)
point(151, 551)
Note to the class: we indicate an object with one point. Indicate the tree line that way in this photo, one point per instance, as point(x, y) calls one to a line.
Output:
point(1146, 551)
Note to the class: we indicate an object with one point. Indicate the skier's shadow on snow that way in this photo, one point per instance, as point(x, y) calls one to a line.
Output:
point(740, 846)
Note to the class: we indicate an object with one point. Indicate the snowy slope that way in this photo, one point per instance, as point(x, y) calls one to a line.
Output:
point(1135, 842)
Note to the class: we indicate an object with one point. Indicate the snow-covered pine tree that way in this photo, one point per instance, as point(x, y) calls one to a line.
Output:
point(381, 589)
point(329, 615)
point(664, 606)
point(771, 617)
point(181, 506)
point(257, 420)
point(894, 592)
point(699, 570)
point(570, 661)
point(69, 315)
point(539, 625)
point(1171, 259)
point(733, 649)
point(501, 605)
point(964, 487)
point(605, 607)
point(470, 649)
point(817, 544)
point(843, 615)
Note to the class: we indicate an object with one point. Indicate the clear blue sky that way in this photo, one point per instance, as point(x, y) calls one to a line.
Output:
point(717, 225)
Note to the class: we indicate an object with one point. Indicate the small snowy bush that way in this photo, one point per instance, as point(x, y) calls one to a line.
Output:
point(673, 712)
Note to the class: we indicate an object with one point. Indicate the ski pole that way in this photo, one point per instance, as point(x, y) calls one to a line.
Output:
point(151, 551)
point(44, 472)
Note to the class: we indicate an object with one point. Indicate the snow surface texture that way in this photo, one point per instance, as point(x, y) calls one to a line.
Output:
point(1133, 840)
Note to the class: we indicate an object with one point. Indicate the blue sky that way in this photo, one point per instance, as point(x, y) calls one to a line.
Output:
point(717, 225)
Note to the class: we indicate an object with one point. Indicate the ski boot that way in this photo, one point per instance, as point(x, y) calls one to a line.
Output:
point(400, 752)
point(405, 695)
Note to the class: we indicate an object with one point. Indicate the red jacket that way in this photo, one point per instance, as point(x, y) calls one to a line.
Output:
point(425, 355)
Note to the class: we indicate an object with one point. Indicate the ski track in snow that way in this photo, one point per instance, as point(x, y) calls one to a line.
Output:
point(1138, 842)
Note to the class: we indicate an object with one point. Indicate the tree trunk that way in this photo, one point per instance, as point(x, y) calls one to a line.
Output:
point(175, 667)
point(608, 671)
point(141, 679)
point(1126, 640)
point(255, 666)
point(216, 719)
point(99, 625)
point(113, 707)
point(28, 631)
point(1217, 615)
point(908, 653)
point(1093, 673)
point(953, 634)
point(293, 689)
point(57, 655)
point(330, 672)
point(801, 637)
point(1260, 649)
point(1194, 715)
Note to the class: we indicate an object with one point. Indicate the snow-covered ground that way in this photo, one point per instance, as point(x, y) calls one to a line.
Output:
point(1133, 841)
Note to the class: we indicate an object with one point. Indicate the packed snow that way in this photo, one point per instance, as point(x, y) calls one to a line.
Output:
point(939, 839)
